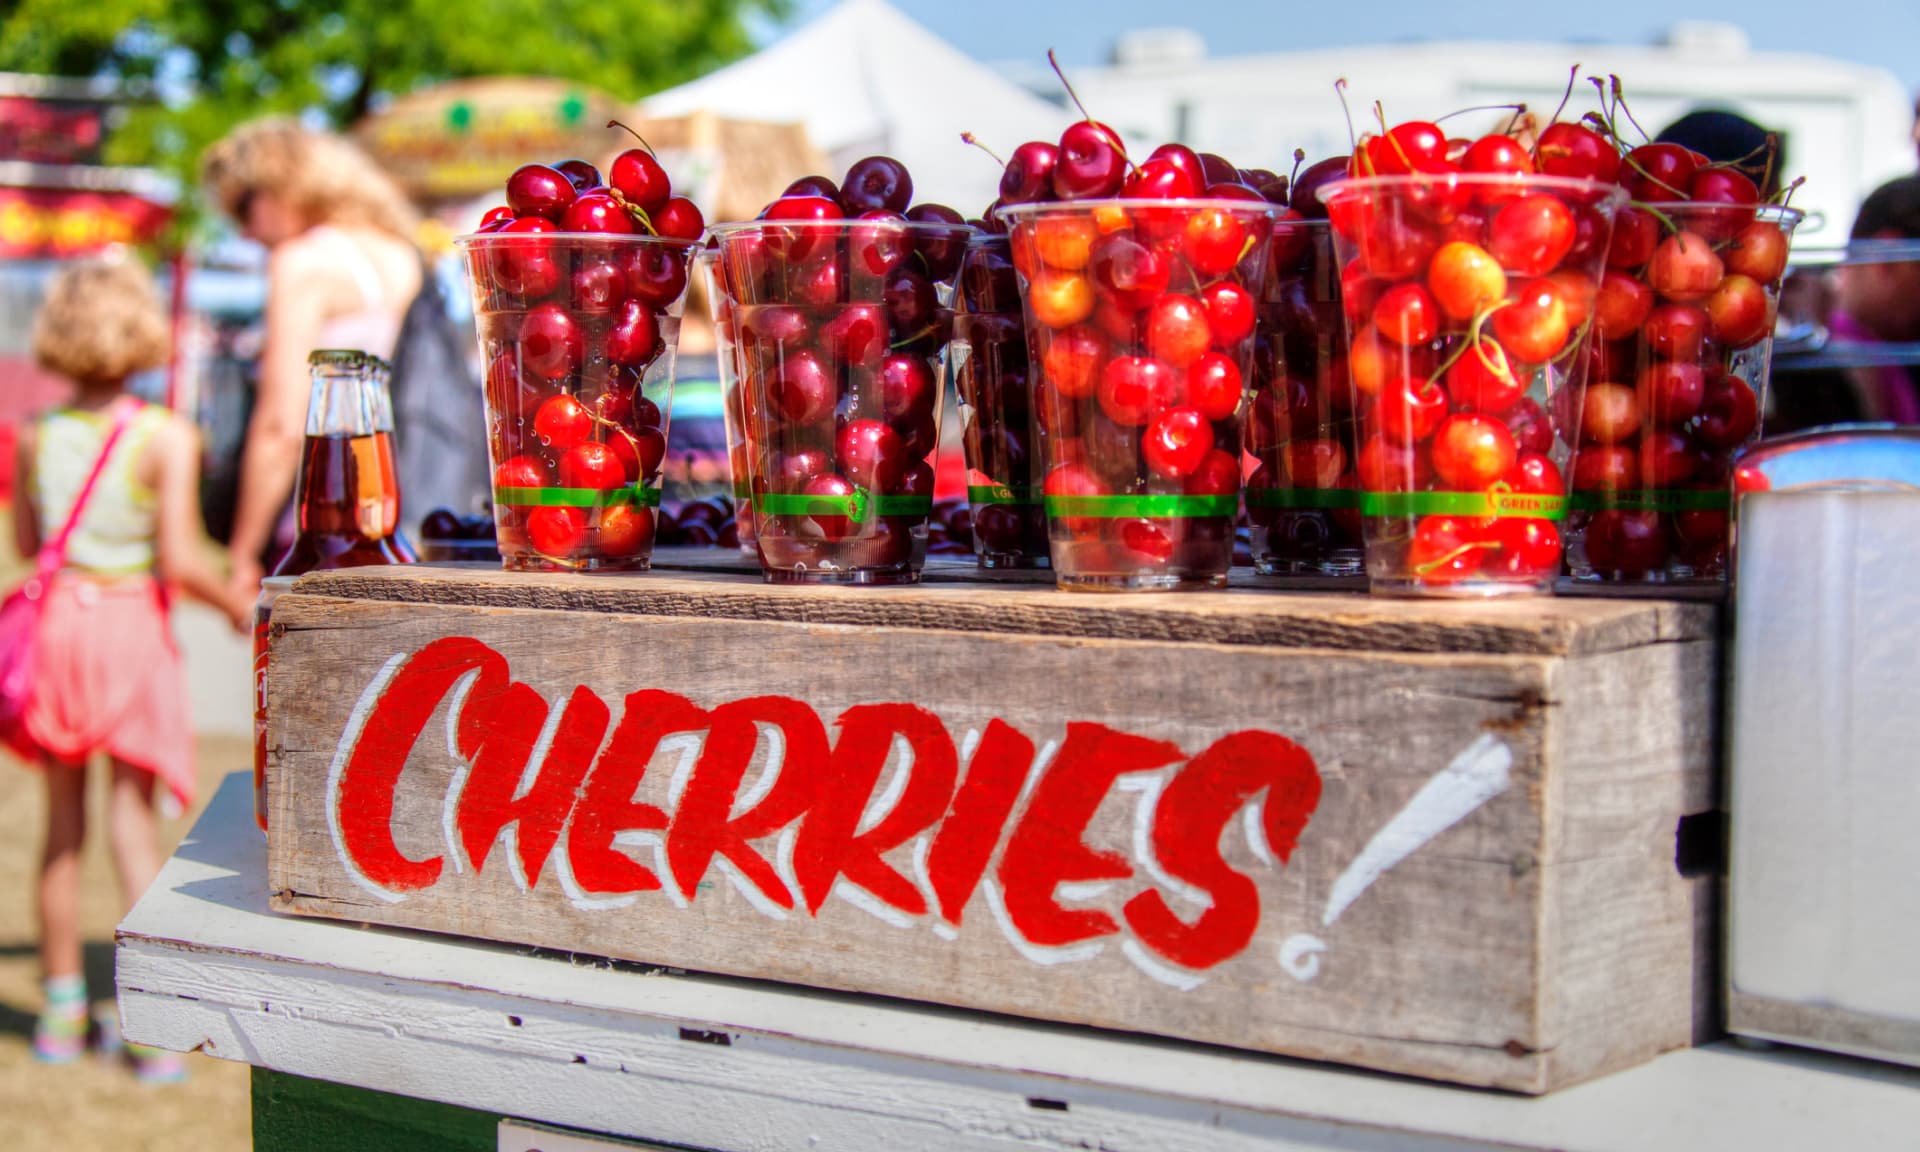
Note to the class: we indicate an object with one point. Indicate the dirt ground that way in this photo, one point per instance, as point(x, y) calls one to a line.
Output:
point(96, 1105)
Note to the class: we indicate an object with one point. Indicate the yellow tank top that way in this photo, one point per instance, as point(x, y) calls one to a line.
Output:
point(115, 535)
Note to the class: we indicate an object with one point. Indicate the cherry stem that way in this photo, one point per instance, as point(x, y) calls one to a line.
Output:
point(1519, 116)
point(1516, 109)
point(636, 136)
point(1475, 335)
point(1068, 85)
point(634, 210)
point(1786, 194)
point(1442, 561)
point(1620, 100)
point(1340, 90)
point(1666, 221)
point(1299, 158)
point(1573, 77)
point(970, 138)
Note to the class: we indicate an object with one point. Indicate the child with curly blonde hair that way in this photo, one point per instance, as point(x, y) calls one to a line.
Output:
point(107, 677)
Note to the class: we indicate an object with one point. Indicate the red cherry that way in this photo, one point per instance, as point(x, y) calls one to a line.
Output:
point(656, 274)
point(1214, 240)
point(1386, 466)
point(1496, 155)
point(1405, 149)
point(678, 219)
point(1671, 392)
point(1532, 431)
point(1407, 314)
point(1465, 279)
point(1677, 331)
point(1601, 469)
point(598, 284)
point(1484, 380)
point(1176, 442)
point(1409, 409)
point(940, 249)
point(906, 388)
point(562, 422)
point(876, 184)
point(522, 472)
point(497, 215)
point(1445, 550)
point(792, 470)
point(1576, 151)
point(591, 465)
point(526, 268)
point(551, 344)
point(1471, 451)
point(1729, 414)
point(1621, 306)
point(876, 248)
point(1304, 196)
point(1177, 330)
point(856, 336)
point(1529, 549)
point(1759, 251)
point(1074, 480)
point(813, 186)
point(1134, 388)
point(802, 391)
point(556, 532)
point(1160, 179)
point(1073, 360)
point(1738, 312)
point(640, 451)
point(1636, 233)
point(1609, 414)
point(1029, 173)
point(1214, 386)
point(1685, 268)
point(1315, 463)
point(819, 282)
point(634, 339)
point(1533, 474)
point(596, 212)
point(1131, 271)
point(625, 531)
point(796, 244)
point(582, 174)
point(1531, 235)
point(831, 525)
point(1667, 460)
point(537, 190)
point(1621, 541)
point(1658, 173)
point(638, 176)
point(870, 453)
point(1217, 475)
point(1535, 326)
point(1092, 162)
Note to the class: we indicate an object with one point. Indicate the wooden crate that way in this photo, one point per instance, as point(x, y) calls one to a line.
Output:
point(1430, 838)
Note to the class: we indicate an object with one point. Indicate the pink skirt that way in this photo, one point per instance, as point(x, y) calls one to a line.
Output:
point(108, 677)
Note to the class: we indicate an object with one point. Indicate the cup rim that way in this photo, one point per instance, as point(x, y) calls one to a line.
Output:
point(1332, 188)
point(1036, 208)
point(1772, 213)
point(509, 239)
point(725, 229)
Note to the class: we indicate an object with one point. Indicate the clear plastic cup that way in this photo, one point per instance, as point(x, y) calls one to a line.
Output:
point(1303, 500)
point(840, 333)
point(1468, 299)
point(1140, 324)
point(578, 334)
point(1677, 380)
point(1001, 433)
point(733, 413)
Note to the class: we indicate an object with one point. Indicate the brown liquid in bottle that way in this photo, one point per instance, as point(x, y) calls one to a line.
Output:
point(347, 494)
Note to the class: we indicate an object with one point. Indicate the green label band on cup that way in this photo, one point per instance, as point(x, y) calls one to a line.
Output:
point(1303, 498)
point(741, 492)
point(1002, 494)
point(860, 507)
point(630, 496)
point(1150, 507)
point(1656, 500)
point(1515, 505)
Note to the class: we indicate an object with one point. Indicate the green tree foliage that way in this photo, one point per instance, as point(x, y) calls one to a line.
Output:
point(214, 63)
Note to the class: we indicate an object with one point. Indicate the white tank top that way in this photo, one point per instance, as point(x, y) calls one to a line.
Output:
point(115, 535)
point(375, 326)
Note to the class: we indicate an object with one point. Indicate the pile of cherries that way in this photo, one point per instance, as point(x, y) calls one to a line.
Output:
point(1140, 315)
point(1677, 359)
point(833, 312)
point(1467, 288)
point(578, 319)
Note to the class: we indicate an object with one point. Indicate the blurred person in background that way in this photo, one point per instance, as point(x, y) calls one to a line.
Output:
point(106, 675)
point(342, 271)
point(1731, 139)
point(1873, 302)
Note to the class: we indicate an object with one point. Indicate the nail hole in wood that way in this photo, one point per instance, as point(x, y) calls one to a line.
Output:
point(579, 1059)
point(513, 1021)
point(700, 1037)
point(1045, 1105)
point(1700, 844)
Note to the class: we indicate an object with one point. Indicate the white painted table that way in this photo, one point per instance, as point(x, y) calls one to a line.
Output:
point(739, 1066)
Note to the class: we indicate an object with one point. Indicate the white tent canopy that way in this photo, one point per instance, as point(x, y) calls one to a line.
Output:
point(867, 80)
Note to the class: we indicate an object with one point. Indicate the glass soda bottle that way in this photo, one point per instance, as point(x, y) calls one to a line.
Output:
point(347, 498)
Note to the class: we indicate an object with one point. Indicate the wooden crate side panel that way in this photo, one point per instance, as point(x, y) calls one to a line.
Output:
point(1629, 938)
point(1399, 934)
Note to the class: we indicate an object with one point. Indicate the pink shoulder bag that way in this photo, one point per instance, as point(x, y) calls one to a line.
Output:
point(20, 611)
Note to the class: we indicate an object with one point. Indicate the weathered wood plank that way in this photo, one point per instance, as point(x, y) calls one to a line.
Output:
point(1413, 929)
point(1250, 616)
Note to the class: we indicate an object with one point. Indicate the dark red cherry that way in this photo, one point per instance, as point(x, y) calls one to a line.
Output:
point(551, 344)
point(876, 184)
point(821, 281)
point(940, 249)
point(596, 212)
point(656, 274)
point(678, 219)
point(1217, 169)
point(638, 176)
point(582, 174)
point(526, 268)
point(771, 325)
point(537, 190)
point(1092, 163)
point(599, 283)
point(906, 388)
point(831, 526)
point(910, 301)
point(857, 335)
point(877, 248)
point(1029, 173)
point(870, 453)
point(496, 217)
point(1578, 152)
point(1658, 173)
point(802, 391)
point(792, 470)
point(1304, 197)
point(798, 243)
point(634, 338)
point(813, 186)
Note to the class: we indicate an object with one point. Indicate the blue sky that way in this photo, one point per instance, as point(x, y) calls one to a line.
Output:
point(1882, 32)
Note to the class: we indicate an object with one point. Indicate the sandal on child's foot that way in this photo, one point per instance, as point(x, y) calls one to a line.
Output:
point(156, 1066)
point(60, 1036)
point(106, 1032)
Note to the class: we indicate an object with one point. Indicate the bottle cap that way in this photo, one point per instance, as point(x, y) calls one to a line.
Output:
point(337, 358)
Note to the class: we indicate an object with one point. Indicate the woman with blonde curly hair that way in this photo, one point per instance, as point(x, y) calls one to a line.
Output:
point(107, 677)
point(342, 269)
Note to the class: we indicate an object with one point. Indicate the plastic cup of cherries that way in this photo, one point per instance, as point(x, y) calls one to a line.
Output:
point(1000, 429)
point(835, 309)
point(1468, 282)
point(1682, 342)
point(578, 284)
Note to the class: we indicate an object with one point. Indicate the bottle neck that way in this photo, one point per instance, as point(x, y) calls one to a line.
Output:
point(348, 402)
